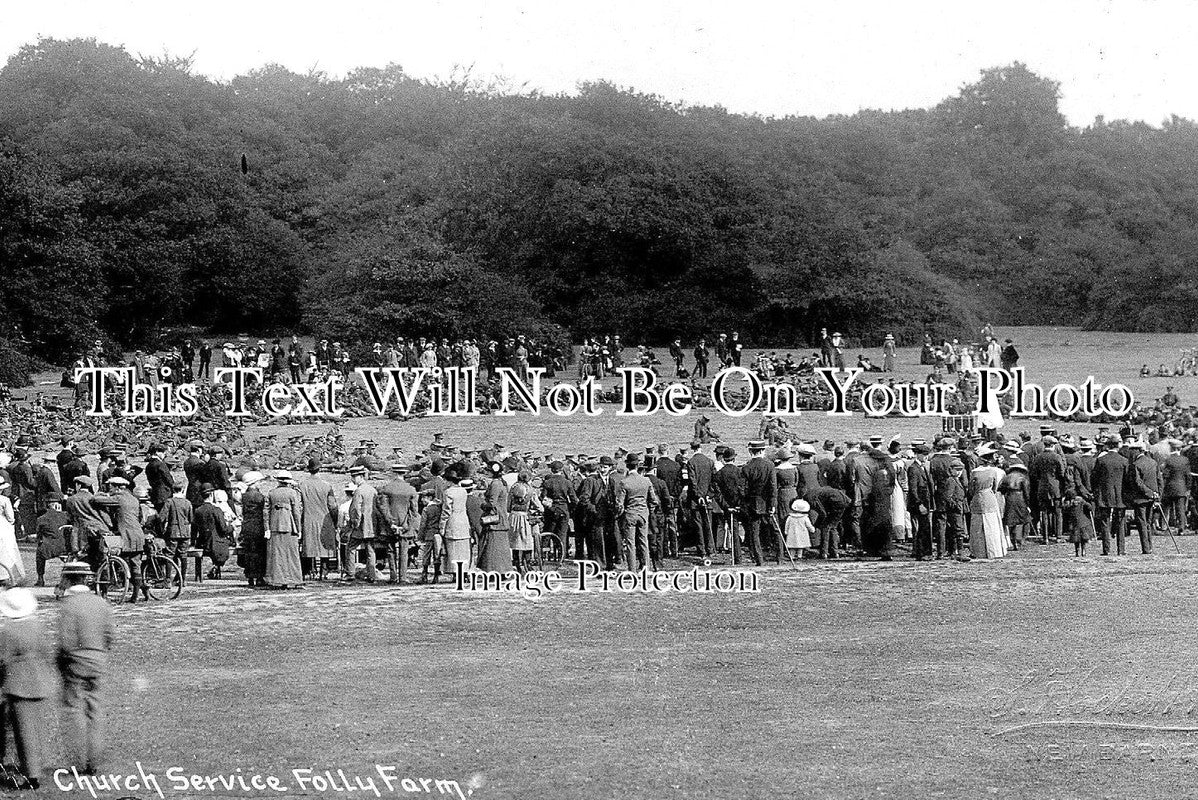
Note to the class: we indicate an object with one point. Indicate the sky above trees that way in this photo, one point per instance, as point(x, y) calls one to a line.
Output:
point(1121, 59)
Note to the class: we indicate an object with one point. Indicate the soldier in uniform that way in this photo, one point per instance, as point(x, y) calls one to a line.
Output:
point(126, 516)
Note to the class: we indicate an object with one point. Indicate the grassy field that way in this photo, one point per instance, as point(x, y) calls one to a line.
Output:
point(835, 680)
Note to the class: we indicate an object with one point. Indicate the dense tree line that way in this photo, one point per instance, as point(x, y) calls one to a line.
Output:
point(379, 203)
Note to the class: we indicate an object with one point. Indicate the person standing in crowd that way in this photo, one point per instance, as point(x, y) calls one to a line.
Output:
point(1015, 489)
point(27, 667)
point(86, 633)
point(205, 370)
point(319, 506)
point(213, 533)
point(986, 536)
point(889, 352)
point(495, 551)
point(1110, 472)
point(284, 525)
point(1141, 488)
point(700, 471)
point(399, 518)
point(253, 530)
point(51, 543)
point(175, 525)
point(1009, 356)
point(361, 526)
point(702, 356)
point(522, 501)
point(761, 498)
point(677, 355)
point(635, 501)
point(559, 499)
point(455, 522)
point(729, 494)
point(158, 475)
point(126, 514)
point(1176, 487)
point(919, 502)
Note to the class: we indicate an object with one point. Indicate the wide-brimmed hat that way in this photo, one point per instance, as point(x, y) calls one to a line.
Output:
point(17, 603)
point(252, 477)
point(81, 568)
point(117, 480)
point(283, 476)
point(800, 506)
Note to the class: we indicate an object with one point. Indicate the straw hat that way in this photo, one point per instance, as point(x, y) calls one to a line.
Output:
point(17, 603)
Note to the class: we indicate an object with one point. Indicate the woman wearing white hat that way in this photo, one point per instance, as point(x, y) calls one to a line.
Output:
point(28, 679)
point(986, 536)
point(12, 568)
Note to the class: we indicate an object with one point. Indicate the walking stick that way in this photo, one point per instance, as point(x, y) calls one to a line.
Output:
point(782, 542)
point(1157, 508)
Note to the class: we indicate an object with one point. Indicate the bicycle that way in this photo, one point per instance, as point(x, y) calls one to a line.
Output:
point(112, 579)
point(161, 576)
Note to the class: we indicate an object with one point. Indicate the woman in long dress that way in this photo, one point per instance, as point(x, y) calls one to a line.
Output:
point(900, 524)
point(455, 523)
point(986, 536)
point(495, 550)
point(788, 483)
point(521, 502)
point(12, 568)
point(284, 515)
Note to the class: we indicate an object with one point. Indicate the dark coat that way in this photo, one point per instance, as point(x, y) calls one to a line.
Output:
point(161, 481)
point(1176, 477)
point(919, 488)
point(701, 471)
point(729, 487)
point(1106, 482)
point(761, 486)
point(1142, 481)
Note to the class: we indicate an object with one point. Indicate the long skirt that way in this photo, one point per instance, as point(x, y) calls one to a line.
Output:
point(495, 551)
point(520, 535)
point(456, 551)
point(986, 536)
point(283, 561)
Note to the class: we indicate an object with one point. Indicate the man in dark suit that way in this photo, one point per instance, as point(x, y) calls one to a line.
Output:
point(158, 474)
point(1176, 486)
point(1106, 483)
point(670, 473)
point(193, 468)
point(729, 495)
point(1141, 488)
point(940, 471)
point(1047, 474)
point(64, 457)
point(919, 502)
point(701, 473)
point(761, 497)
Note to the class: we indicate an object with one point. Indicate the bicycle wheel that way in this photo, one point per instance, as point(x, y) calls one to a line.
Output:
point(162, 578)
point(112, 580)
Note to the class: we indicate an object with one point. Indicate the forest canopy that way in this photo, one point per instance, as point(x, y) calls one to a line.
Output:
point(379, 204)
